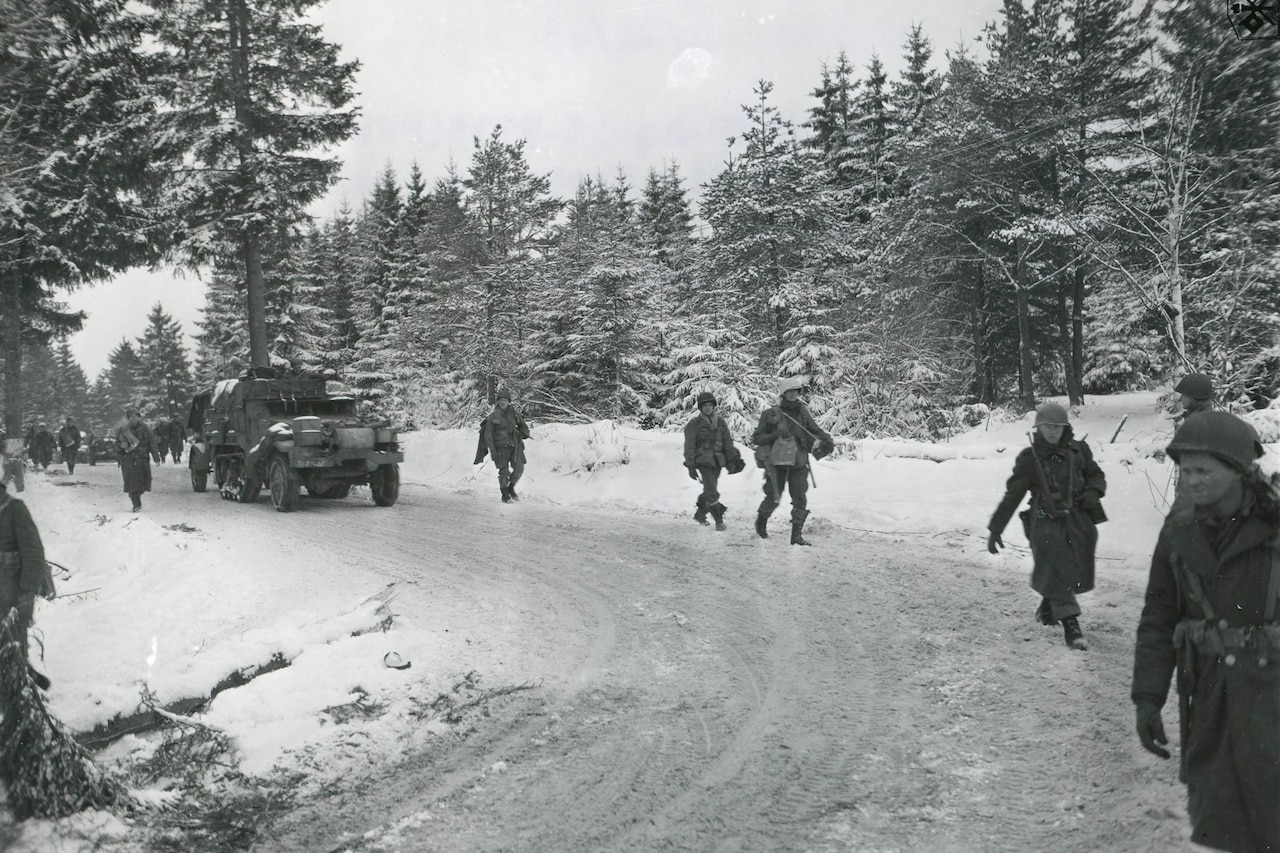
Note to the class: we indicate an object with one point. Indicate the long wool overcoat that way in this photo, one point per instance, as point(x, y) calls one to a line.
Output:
point(1230, 702)
point(1062, 535)
point(24, 573)
point(135, 464)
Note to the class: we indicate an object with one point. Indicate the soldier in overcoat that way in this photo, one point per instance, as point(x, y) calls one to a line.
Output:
point(783, 439)
point(137, 447)
point(1212, 614)
point(177, 440)
point(69, 441)
point(503, 435)
point(24, 573)
point(42, 445)
point(1066, 487)
point(709, 449)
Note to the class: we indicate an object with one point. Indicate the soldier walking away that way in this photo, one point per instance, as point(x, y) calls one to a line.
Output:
point(42, 444)
point(502, 436)
point(161, 434)
point(1066, 488)
point(24, 574)
point(708, 448)
point(1212, 614)
point(177, 440)
point(69, 441)
point(783, 439)
point(137, 447)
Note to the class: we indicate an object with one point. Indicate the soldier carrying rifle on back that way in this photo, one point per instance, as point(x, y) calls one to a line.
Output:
point(783, 440)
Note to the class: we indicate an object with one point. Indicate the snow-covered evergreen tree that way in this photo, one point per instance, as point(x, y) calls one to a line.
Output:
point(165, 386)
point(251, 92)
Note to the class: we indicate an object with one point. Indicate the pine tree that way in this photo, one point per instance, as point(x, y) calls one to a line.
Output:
point(122, 379)
point(222, 345)
point(165, 376)
point(665, 218)
point(377, 237)
point(250, 90)
point(509, 209)
point(772, 219)
point(71, 198)
point(73, 386)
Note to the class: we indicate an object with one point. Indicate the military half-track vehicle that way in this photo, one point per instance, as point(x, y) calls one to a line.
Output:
point(287, 434)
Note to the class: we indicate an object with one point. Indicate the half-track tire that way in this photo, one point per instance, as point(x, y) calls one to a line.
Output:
point(284, 484)
point(199, 480)
point(384, 484)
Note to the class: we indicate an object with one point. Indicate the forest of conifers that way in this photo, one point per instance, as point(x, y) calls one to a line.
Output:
point(1085, 200)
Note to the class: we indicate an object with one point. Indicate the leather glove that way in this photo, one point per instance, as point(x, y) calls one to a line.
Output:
point(994, 542)
point(1151, 729)
point(693, 472)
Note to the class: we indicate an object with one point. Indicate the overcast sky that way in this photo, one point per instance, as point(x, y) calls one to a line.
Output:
point(591, 85)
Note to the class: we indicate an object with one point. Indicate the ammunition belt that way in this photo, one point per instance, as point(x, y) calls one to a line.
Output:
point(1218, 639)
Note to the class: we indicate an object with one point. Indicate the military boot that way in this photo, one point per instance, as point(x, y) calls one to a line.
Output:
point(1072, 634)
point(700, 514)
point(511, 490)
point(506, 494)
point(717, 512)
point(796, 527)
point(1044, 614)
point(762, 521)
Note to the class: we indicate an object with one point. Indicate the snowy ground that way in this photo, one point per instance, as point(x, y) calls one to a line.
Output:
point(195, 589)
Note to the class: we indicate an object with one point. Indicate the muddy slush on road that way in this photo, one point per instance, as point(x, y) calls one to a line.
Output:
point(695, 691)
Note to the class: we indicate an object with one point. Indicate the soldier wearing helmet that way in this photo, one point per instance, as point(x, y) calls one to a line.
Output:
point(709, 448)
point(783, 439)
point(1066, 487)
point(502, 436)
point(1196, 394)
point(1212, 615)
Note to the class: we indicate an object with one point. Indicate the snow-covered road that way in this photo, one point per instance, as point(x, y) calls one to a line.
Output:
point(593, 671)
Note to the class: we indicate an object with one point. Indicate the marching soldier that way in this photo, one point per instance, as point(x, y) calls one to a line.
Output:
point(783, 439)
point(708, 448)
point(1066, 488)
point(137, 447)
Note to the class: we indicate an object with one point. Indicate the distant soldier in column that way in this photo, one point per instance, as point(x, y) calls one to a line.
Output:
point(161, 435)
point(69, 441)
point(1066, 487)
point(137, 447)
point(42, 446)
point(783, 439)
point(177, 440)
point(504, 434)
point(708, 449)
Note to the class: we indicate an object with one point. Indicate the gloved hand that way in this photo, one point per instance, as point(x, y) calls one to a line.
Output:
point(1151, 729)
point(693, 472)
point(994, 542)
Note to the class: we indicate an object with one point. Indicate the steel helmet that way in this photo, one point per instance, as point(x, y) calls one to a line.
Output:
point(502, 394)
point(1219, 434)
point(790, 383)
point(706, 397)
point(1052, 413)
point(1197, 386)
